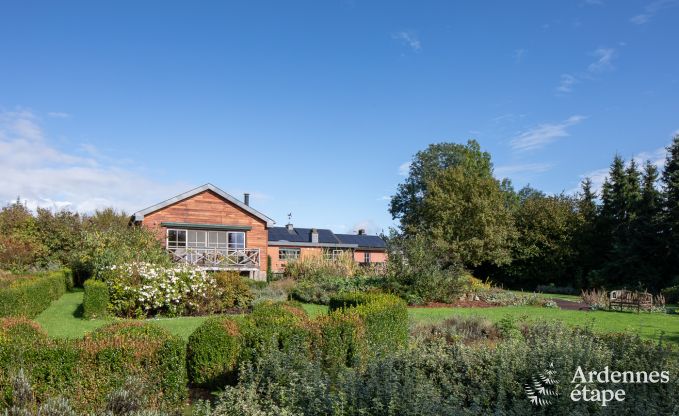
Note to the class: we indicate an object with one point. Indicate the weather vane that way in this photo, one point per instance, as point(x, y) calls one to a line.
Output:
point(290, 217)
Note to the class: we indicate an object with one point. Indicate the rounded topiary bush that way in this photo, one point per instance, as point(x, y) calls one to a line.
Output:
point(212, 352)
point(385, 317)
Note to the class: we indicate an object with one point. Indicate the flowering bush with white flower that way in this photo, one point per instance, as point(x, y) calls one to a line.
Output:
point(144, 289)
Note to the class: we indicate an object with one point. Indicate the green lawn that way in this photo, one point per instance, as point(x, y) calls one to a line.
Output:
point(647, 325)
point(61, 319)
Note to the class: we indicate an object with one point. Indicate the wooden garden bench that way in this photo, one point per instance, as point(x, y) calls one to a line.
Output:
point(629, 299)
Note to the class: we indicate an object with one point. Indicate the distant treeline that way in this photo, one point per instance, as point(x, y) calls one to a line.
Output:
point(625, 235)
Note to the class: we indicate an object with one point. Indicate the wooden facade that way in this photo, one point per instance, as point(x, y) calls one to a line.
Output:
point(211, 229)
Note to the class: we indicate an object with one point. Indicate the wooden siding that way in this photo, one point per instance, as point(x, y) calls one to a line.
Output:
point(209, 208)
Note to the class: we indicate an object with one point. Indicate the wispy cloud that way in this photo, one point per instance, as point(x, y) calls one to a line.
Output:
point(409, 39)
point(404, 169)
point(544, 134)
point(567, 83)
point(384, 198)
point(651, 10)
point(43, 175)
point(604, 60)
point(58, 114)
point(522, 169)
point(518, 55)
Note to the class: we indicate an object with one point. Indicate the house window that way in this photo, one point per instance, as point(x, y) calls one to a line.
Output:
point(176, 238)
point(366, 257)
point(288, 253)
point(333, 254)
point(236, 241)
point(205, 239)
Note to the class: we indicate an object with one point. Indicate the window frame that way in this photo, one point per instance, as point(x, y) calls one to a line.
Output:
point(287, 250)
point(207, 244)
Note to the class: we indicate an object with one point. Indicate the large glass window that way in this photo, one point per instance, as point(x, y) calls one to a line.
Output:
point(205, 239)
point(366, 257)
point(288, 253)
point(176, 238)
point(196, 238)
point(236, 240)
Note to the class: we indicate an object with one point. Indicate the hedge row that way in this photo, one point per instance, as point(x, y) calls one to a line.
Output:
point(29, 295)
point(346, 337)
point(88, 370)
point(95, 299)
point(385, 318)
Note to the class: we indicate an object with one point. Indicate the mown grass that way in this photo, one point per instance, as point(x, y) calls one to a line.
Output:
point(62, 319)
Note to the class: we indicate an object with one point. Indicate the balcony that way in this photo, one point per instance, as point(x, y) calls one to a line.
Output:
point(245, 259)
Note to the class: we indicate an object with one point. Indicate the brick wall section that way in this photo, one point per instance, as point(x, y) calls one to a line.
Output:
point(375, 256)
point(209, 208)
point(278, 266)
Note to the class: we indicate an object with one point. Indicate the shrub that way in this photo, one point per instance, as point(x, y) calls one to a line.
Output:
point(463, 328)
point(95, 300)
point(212, 352)
point(342, 340)
point(276, 325)
point(320, 290)
point(87, 371)
point(385, 318)
point(235, 290)
point(416, 272)
point(21, 331)
point(671, 294)
point(30, 295)
point(559, 290)
point(595, 299)
point(141, 289)
point(443, 376)
point(276, 291)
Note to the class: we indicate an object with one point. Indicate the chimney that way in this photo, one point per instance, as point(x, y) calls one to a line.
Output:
point(289, 227)
point(361, 231)
point(246, 199)
point(314, 235)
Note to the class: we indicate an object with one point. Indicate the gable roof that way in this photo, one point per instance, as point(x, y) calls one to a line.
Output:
point(139, 215)
point(362, 240)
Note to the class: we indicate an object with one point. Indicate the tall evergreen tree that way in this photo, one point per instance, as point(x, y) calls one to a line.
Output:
point(588, 239)
point(646, 245)
point(670, 220)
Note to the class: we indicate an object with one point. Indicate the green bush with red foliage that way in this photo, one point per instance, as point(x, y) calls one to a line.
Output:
point(88, 370)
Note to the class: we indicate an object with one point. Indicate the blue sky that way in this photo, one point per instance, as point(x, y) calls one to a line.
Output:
point(316, 107)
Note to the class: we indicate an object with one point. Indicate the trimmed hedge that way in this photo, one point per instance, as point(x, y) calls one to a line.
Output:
point(29, 295)
point(360, 326)
point(219, 345)
point(385, 318)
point(342, 342)
point(88, 370)
point(212, 351)
point(95, 299)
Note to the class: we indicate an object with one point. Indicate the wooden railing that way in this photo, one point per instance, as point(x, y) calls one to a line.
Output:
point(243, 258)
